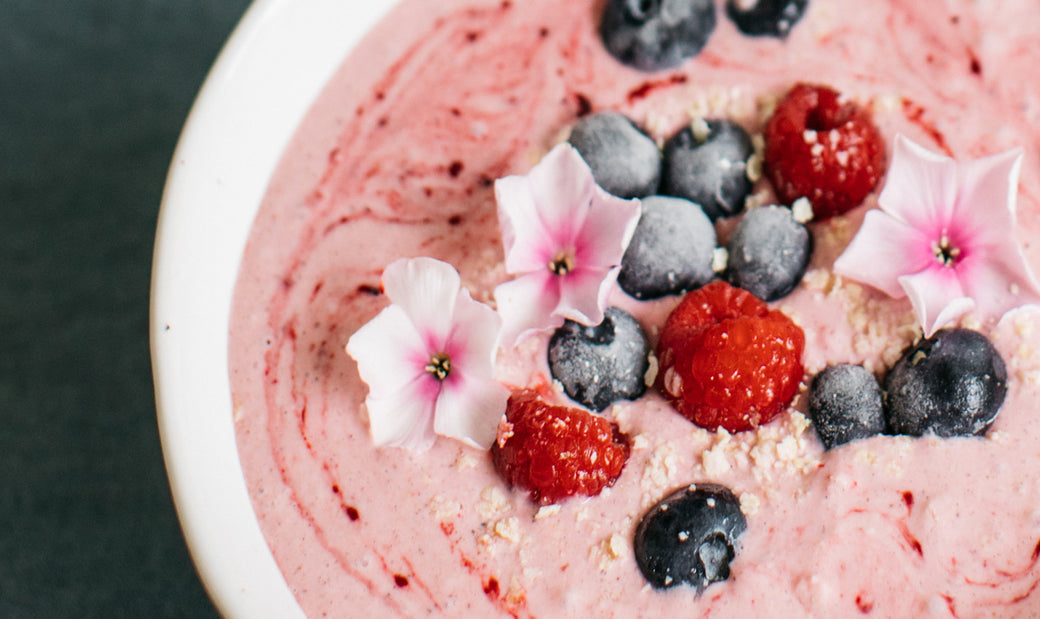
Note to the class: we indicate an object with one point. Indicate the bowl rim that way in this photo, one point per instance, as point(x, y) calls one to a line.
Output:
point(281, 53)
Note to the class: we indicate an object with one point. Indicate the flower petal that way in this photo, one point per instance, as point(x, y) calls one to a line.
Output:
point(389, 351)
point(526, 305)
point(473, 343)
point(469, 409)
point(403, 418)
point(921, 187)
point(1000, 282)
point(562, 188)
point(995, 271)
point(937, 297)
point(583, 295)
point(986, 203)
point(528, 245)
point(471, 401)
point(883, 250)
point(390, 357)
point(426, 289)
point(608, 229)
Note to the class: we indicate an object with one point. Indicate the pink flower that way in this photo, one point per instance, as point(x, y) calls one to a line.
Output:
point(428, 360)
point(945, 237)
point(564, 237)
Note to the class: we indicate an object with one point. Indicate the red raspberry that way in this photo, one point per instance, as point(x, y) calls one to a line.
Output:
point(823, 148)
point(557, 451)
point(727, 360)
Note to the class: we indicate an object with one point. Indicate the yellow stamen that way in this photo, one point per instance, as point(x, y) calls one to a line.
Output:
point(944, 251)
point(562, 263)
point(439, 366)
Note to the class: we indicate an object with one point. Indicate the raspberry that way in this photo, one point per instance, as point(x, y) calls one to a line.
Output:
point(823, 148)
point(727, 360)
point(556, 451)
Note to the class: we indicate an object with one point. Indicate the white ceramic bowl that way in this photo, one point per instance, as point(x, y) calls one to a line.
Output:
point(276, 62)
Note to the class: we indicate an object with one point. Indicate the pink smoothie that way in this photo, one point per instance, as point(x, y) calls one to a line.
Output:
point(397, 158)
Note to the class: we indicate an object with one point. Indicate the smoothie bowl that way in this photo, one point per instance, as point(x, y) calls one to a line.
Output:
point(768, 274)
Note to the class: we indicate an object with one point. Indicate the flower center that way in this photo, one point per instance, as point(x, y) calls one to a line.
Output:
point(945, 252)
point(562, 263)
point(439, 366)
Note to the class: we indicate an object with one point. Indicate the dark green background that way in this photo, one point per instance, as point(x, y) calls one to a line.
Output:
point(93, 94)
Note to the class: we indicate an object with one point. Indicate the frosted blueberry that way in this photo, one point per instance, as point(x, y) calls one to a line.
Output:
point(671, 250)
point(690, 537)
point(773, 18)
point(769, 252)
point(624, 160)
point(951, 384)
point(602, 364)
point(652, 35)
point(709, 167)
point(845, 404)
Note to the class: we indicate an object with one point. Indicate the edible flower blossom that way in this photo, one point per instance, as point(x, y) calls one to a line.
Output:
point(564, 238)
point(428, 360)
point(945, 237)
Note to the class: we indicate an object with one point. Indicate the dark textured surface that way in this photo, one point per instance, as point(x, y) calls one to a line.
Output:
point(93, 94)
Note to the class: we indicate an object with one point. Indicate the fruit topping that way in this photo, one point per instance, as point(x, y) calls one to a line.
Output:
point(555, 452)
point(845, 404)
point(706, 163)
point(768, 252)
point(690, 537)
point(951, 384)
point(602, 364)
point(671, 250)
point(822, 147)
point(652, 35)
point(727, 360)
point(623, 159)
point(773, 18)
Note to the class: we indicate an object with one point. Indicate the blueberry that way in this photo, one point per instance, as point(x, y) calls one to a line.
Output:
point(624, 160)
point(651, 35)
point(773, 18)
point(951, 384)
point(690, 537)
point(710, 168)
point(671, 250)
point(845, 404)
point(602, 364)
point(768, 252)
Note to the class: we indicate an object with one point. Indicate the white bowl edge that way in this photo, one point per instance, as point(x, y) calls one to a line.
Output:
point(278, 59)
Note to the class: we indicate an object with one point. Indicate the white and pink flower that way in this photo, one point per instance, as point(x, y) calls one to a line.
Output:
point(428, 359)
point(564, 238)
point(945, 237)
